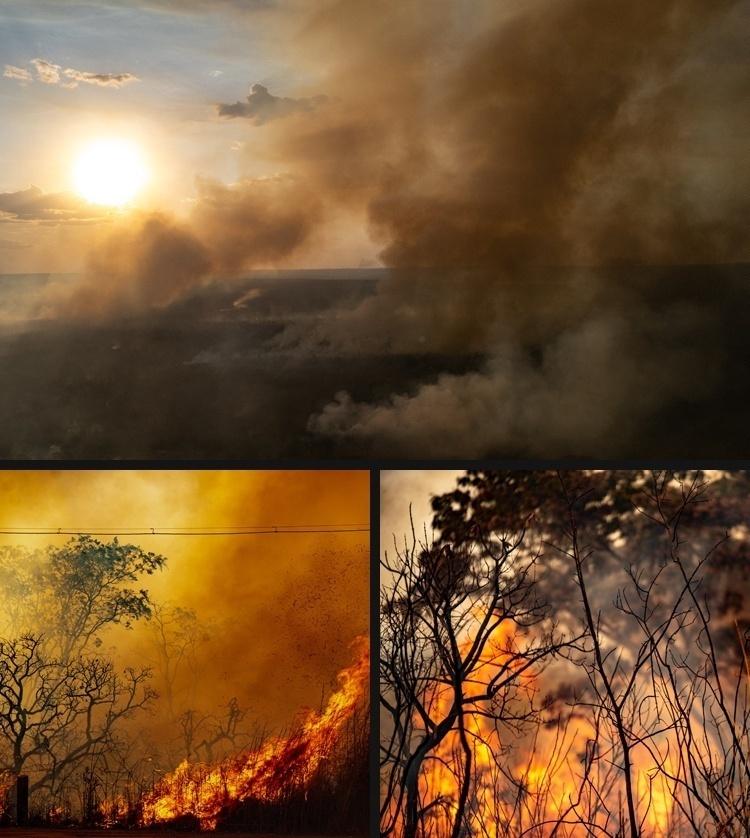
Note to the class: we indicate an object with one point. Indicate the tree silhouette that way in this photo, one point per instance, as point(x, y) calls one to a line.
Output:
point(61, 702)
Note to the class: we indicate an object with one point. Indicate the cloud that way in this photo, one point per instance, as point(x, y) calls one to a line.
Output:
point(99, 79)
point(46, 71)
point(50, 73)
point(17, 73)
point(261, 106)
point(34, 205)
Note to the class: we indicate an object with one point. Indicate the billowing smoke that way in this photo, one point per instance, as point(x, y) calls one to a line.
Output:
point(541, 135)
point(274, 615)
point(487, 152)
point(574, 398)
point(153, 260)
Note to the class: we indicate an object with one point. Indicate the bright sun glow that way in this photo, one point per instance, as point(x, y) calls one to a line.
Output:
point(110, 172)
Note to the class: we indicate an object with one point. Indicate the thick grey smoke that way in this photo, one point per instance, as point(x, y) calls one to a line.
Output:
point(485, 151)
point(557, 133)
point(591, 389)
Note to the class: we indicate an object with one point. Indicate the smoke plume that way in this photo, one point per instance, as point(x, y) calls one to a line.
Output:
point(153, 260)
point(549, 134)
point(487, 152)
point(275, 614)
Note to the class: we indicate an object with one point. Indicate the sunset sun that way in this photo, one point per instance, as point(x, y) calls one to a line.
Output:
point(110, 172)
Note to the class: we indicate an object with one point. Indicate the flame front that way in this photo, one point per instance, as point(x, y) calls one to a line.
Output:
point(525, 786)
point(264, 774)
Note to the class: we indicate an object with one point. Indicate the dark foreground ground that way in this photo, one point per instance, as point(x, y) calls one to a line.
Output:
point(211, 378)
point(23, 832)
point(204, 378)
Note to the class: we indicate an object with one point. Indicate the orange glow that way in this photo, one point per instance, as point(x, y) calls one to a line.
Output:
point(546, 772)
point(204, 791)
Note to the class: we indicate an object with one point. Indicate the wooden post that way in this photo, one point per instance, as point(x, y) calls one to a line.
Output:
point(22, 800)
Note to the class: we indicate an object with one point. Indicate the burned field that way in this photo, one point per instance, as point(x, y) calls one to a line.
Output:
point(351, 364)
point(213, 375)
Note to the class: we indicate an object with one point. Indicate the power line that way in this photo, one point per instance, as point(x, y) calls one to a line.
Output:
point(263, 529)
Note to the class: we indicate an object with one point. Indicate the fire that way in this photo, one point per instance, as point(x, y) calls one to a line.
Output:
point(204, 791)
point(441, 780)
point(520, 786)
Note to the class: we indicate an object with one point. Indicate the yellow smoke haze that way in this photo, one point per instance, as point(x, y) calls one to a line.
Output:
point(276, 613)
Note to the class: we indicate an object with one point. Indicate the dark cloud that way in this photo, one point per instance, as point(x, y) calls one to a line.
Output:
point(261, 106)
point(32, 204)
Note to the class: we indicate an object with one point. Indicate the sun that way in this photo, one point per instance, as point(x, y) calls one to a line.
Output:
point(110, 172)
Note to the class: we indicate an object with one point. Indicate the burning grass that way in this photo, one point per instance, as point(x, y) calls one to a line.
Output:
point(282, 771)
point(268, 774)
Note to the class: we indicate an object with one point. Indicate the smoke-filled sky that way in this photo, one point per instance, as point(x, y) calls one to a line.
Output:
point(276, 613)
point(173, 80)
point(548, 183)
point(447, 139)
point(405, 498)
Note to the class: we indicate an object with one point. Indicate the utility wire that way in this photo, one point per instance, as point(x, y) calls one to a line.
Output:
point(265, 529)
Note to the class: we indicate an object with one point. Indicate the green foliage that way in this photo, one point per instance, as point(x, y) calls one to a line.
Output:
point(60, 703)
point(71, 593)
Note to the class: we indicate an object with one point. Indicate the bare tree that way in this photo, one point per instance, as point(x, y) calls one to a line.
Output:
point(642, 726)
point(62, 702)
point(460, 629)
point(175, 635)
point(54, 713)
point(659, 694)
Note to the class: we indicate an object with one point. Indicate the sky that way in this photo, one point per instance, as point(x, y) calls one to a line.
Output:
point(279, 611)
point(179, 62)
point(405, 489)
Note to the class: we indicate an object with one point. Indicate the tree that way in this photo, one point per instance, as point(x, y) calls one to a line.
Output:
point(61, 703)
point(462, 630)
point(609, 510)
point(71, 593)
point(54, 714)
point(636, 716)
point(175, 636)
point(665, 686)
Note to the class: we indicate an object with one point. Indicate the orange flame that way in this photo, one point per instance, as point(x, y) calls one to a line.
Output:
point(546, 772)
point(204, 791)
